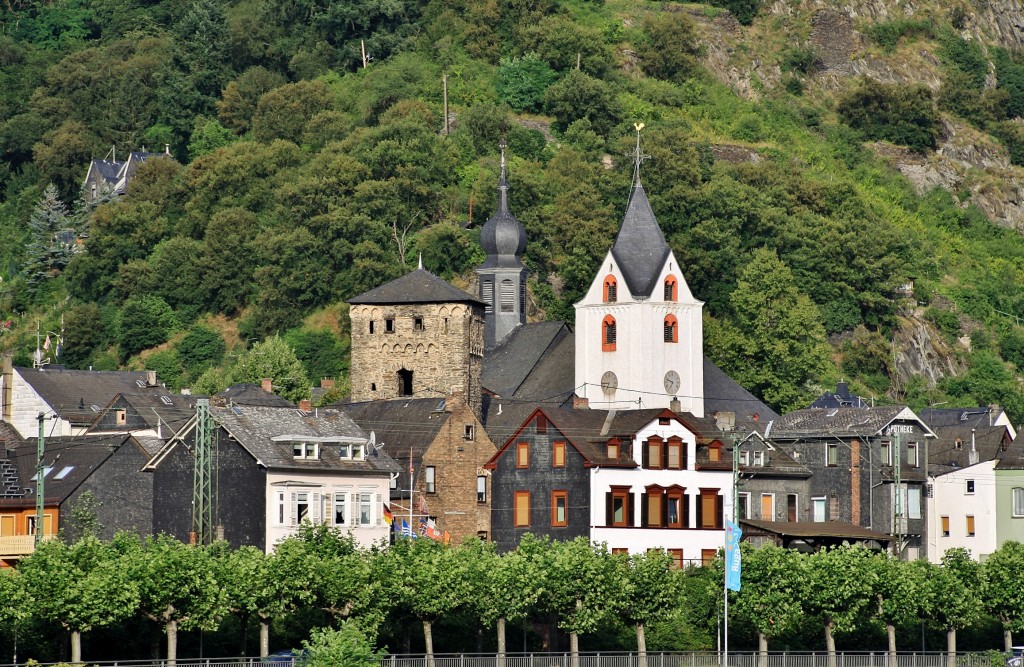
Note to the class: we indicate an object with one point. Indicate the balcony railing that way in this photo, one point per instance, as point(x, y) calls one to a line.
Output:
point(19, 545)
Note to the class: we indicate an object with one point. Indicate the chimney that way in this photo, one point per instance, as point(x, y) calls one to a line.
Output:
point(150, 378)
point(167, 149)
point(726, 421)
point(972, 456)
point(674, 405)
point(580, 403)
point(326, 383)
point(306, 405)
point(268, 385)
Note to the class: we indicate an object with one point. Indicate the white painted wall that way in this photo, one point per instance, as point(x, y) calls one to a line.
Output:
point(638, 540)
point(25, 407)
point(952, 499)
point(642, 357)
point(326, 485)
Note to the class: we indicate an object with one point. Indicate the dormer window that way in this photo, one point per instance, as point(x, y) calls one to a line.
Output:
point(357, 452)
point(343, 451)
point(759, 458)
point(305, 450)
point(715, 452)
point(614, 448)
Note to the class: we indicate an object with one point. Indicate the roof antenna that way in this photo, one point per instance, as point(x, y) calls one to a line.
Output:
point(503, 181)
point(638, 157)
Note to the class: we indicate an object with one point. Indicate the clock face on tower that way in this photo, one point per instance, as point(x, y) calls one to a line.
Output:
point(609, 383)
point(672, 382)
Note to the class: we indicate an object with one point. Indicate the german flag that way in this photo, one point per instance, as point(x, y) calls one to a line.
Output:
point(388, 516)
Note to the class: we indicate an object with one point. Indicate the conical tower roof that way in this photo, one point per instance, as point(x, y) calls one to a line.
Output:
point(640, 249)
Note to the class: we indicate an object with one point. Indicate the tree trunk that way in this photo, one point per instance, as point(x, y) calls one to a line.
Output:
point(890, 631)
point(172, 643)
point(762, 649)
point(76, 647)
point(428, 640)
point(951, 647)
point(830, 644)
point(641, 646)
point(264, 637)
point(1007, 640)
point(501, 642)
point(574, 650)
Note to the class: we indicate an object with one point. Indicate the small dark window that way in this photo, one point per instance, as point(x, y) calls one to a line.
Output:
point(371, 326)
point(446, 325)
point(389, 325)
point(417, 324)
point(373, 386)
point(470, 432)
point(404, 382)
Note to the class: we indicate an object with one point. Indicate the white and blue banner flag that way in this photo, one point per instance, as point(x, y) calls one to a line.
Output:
point(732, 556)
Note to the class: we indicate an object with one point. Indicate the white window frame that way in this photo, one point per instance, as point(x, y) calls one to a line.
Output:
point(481, 488)
point(744, 495)
point(914, 502)
point(282, 519)
point(885, 453)
point(1017, 501)
point(357, 451)
point(912, 454)
point(759, 458)
point(831, 452)
point(340, 500)
point(306, 450)
point(430, 479)
point(744, 457)
point(365, 508)
point(822, 502)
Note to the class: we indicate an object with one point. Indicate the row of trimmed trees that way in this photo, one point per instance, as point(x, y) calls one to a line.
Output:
point(90, 584)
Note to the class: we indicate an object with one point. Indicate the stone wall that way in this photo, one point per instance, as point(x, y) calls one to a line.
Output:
point(441, 343)
point(458, 459)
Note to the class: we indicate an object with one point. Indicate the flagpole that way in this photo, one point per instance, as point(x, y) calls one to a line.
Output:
point(411, 490)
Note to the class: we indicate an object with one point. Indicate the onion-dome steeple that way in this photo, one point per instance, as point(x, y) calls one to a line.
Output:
point(503, 237)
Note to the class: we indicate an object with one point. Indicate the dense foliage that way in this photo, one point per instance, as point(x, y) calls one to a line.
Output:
point(462, 595)
point(312, 161)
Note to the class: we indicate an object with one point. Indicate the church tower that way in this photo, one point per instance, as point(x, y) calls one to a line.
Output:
point(502, 276)
point(639, 333)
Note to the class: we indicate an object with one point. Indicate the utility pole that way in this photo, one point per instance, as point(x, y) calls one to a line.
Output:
point(203, 511)
point(898, 504)
point(40, 478)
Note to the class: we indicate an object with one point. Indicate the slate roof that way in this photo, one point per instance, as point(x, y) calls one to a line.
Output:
point(529, 351)
point(155, 405)
point(778, 463)
point(419, 286)
point(723, 394)
point(842, 398)
point(72, 393)
point(82, 454)
point(400, 425)
point(254, 427)
point(503, 417)
point(251, 394)
point(640, 248)
point(837, 421)
point(945, 455)
point(967, 417)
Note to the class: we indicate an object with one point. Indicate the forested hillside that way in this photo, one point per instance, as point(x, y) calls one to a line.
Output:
point(842, 187)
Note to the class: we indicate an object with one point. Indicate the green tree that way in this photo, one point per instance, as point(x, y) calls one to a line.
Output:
point(902, 593)
point(513, 584)
point(774, 343)
point(201, 348)
point(83, 587)
point(283, 112)
point(671, 50)
point(586, 586)
point(207, 136)
point(651, 588)
point(274, 358)
point(957, 586)
point(145, 321)
point(840, 583)
point(579, 96)
point(237, 104)
point(177, 585)
point(772, 592)
point(562, 42)
point(48, 250)
point(522, 81)
point(1003, 591)
point(320, 351)
point(900, 114)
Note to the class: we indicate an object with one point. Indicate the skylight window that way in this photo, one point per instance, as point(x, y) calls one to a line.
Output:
point(46, 471)
point(64, 472)
point(166, 400)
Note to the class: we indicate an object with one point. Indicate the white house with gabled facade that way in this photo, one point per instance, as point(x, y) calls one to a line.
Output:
point(675, 498)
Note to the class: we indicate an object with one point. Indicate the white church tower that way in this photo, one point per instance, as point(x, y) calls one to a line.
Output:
point(639, 333)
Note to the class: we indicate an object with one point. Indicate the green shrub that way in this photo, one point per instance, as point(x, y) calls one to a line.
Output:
point(743, 10)
point(145, 321)
point(800, 59)
point(964, 55)
point(888, 34)
point(201, 348)
point(945, 320)
point(670, 50)
point(580, 96)
point(522, 82)
point(900, 114)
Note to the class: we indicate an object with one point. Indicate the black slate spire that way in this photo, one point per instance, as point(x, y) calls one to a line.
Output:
point(503, 237)
point(640, 248)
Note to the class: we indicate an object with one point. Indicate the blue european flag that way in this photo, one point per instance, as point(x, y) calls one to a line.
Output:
point(732, 555)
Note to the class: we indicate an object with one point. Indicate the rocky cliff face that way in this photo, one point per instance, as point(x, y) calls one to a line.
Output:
point(921, 351)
